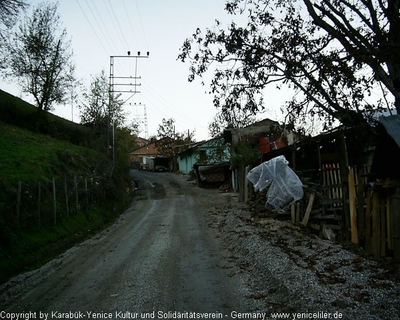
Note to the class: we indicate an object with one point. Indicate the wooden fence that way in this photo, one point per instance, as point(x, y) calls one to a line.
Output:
point(47, 202)
point(344, 206)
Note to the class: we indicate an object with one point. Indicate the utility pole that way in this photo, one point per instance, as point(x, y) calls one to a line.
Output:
point(142, 120)
point(120, 84)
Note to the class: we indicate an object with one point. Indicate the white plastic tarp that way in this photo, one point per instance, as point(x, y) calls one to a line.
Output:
point(284, 185)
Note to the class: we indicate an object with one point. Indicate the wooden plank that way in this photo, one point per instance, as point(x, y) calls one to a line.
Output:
point(293, 212)
point(389, 226)
point(337, 180)
point(382, 240)
point(298, 212)
point(376, 228)
point(360, 205)
point(353, 207)
point(332, 181)
point(395, 209)
point(328, 217)
point(368, 221)
point(333, 226)
point(315, 226)
point(308, 210)
point(331, 186)
point(332, 204)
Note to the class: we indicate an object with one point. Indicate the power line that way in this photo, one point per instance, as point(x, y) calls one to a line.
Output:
point(106, 36)
point(116, 22)
point(183, 117)
point(130, 24)
point(141, 24)
point(94, 30)
point(101, 25)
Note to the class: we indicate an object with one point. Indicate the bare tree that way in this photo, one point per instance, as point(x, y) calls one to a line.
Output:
point(40, 57)
point(369, 32)
point(333, 54)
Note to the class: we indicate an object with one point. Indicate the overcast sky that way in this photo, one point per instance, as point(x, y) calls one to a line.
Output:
point(102, 28)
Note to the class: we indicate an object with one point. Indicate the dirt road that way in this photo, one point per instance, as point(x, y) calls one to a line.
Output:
point(159, 257)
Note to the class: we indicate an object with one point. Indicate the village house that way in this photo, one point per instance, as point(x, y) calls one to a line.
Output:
point(205, 152)
point(208, 160)
point(140, 156)
point(248, 144)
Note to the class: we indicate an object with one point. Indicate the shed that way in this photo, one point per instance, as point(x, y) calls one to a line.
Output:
point(384, 179)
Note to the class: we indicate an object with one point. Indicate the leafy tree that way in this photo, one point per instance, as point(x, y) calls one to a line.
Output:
point(98, 104)
point(333, 54)
point(9, 12)
point(230, 118)
point(100, 110)
point(169, 139)
point(40, 57)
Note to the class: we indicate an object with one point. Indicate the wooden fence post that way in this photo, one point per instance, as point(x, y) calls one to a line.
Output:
point(389, 220)
point(86, 195)
point(39, 203)
point(368, 217)
point(361, 205)
point(353, 207)
point(308, 210)
point(76, 193)
point(66, 196)
point(376, 228)
point(19, 201)
point(55, 204)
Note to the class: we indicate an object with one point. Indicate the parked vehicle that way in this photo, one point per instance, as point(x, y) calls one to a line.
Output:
point(160, 169)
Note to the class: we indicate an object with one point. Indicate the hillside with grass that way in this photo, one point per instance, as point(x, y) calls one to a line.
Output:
point(55, 190)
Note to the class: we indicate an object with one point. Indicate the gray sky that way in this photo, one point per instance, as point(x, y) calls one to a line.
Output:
point(103, 28)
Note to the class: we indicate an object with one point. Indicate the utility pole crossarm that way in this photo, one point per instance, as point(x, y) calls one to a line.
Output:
point(113, 88)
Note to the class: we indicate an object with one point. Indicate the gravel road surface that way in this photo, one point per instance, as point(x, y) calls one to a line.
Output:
point(159, 257)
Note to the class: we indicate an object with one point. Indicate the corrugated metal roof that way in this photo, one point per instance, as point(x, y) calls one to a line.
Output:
point(392, 126)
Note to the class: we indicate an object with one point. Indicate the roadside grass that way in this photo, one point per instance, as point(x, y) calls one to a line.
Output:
point(35, 247)
point(30, 157)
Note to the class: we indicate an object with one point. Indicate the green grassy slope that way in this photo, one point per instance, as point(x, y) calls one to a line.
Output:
point(27, 156)
point(22, 114)
point(30, 159)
